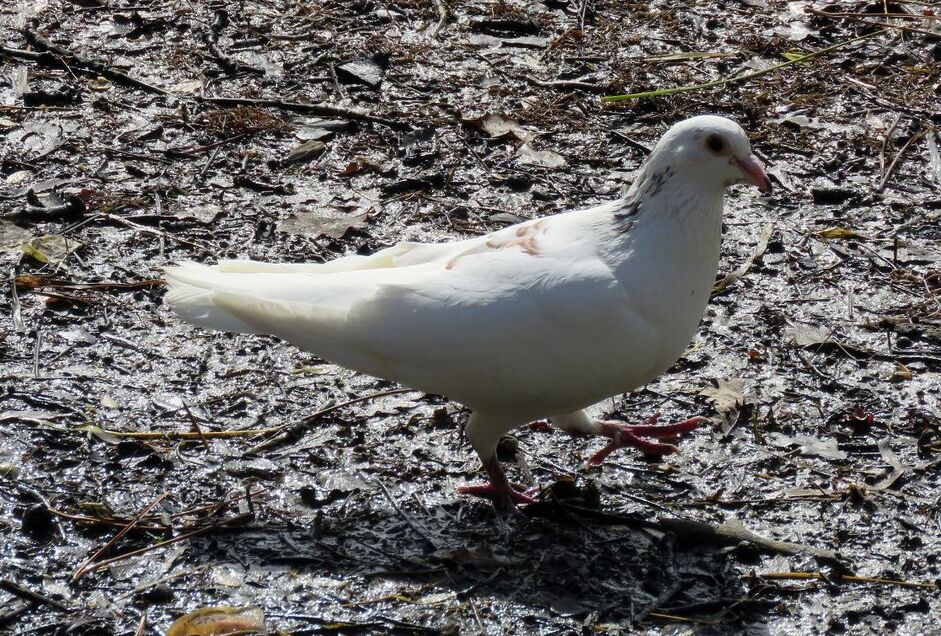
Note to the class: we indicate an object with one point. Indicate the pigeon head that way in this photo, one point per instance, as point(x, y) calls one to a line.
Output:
point(711, 150)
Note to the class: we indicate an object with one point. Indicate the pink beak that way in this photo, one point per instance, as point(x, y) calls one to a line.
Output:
point(754, 173)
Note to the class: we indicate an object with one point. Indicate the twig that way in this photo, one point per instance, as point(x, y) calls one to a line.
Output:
point(106, 521)
point(884, 25)
point(162, 544)
point(55, 54)
point(818, 576)
point(891, 169)
point(566, 84)
point(80, 572)
point(303, 107)
point(32, 597)
point(36, 281)
point(155, 232)
point(250, 432)
point(885, 143)
point(220, 20)
point(739, 78)
point(408, 519)
point(189, 152)
point(141, 624)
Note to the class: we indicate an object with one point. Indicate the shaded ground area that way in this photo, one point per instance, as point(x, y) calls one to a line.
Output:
point(139, 135)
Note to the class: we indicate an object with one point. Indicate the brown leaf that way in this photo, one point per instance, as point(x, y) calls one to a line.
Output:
point(215, 621)
point(840, 233)
point(307, 150)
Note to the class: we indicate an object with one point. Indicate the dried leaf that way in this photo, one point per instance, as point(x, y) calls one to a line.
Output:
point(99, 84)
point(901, 373)
point(216, 621)
point(501, 126)
point(813, 445)
point(841, 233)
point(897, 467)
point(365, 72)
point(307, 150)
point(323, 221)
point(100, 433)
point(527, 156)
point(804, 335)
point(50, 248)
point(726, 396)
point(12, 237)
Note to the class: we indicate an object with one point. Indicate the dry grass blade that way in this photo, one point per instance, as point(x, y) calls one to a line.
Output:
point(739, 78)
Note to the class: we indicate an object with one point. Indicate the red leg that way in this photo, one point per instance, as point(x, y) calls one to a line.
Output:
point(503, 494)
point(623, 435)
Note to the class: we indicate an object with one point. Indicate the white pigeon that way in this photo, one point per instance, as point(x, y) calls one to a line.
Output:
point(537, 320)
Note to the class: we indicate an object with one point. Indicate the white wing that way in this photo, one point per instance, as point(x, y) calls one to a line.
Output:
point(526, 316)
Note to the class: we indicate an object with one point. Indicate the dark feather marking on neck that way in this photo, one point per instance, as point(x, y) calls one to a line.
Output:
point(657, 180)
point(626, 212)
point(647, 186)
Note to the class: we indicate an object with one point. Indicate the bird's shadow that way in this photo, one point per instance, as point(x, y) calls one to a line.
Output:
point(551, 565)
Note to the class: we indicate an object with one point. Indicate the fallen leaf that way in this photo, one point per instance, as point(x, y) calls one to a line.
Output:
point(813, 445)
point(804, 335)
point(901, 373)
point(840, 233)
point(726, 396)
point(364, 72)
point(12, 237)
point(323, 221)
point(897, 467)
point(99, 84)
point(216, 621)
point(528, 156)
point(307, 150)
point(500, 126)
point(100, 433)
point(50, 248)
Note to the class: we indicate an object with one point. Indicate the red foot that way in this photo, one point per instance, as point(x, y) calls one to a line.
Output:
point(494, 492)
point(501, 492)
point(623, 435)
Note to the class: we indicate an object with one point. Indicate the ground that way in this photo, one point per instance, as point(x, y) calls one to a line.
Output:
point(350, 126)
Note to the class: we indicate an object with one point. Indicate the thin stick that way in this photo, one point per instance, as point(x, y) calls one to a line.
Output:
point(411, 522)
point(249, 432)
point(80, 572)
point(162, 544)
point(885, 25)
point(885, 143)
point(739, 78)
point(315, 109)
point(32, 597)
point(891, 169)
point(817, 576)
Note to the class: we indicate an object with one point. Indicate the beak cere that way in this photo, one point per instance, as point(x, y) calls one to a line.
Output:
point(754, 173)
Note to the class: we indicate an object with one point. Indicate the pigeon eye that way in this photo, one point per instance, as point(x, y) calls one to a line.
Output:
point(715, 143)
